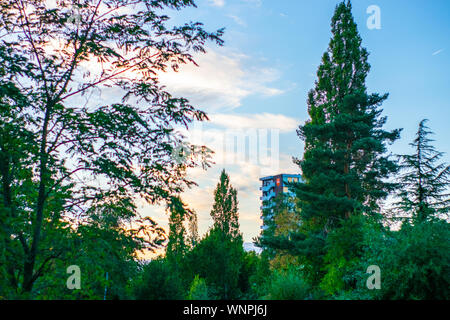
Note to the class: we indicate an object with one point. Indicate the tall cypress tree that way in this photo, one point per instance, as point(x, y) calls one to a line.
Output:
point(218, 257)
point(424, 182)
point(225, 208)
point(344, 163)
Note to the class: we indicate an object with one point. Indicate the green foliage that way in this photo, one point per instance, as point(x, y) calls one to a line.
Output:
point(217, 258)
point(344, 165)
point(70, 173)
point(63, 154)
point(415, 262)
point(249, 266)
point(225, 208)
point(344, 247)
point(198, 290)
point(281, 217)
point(289, 285)
point(101, 244)
point(176, 246)
point(281, 220)
point(424, 182)
point(260, 280)
point(158, 281)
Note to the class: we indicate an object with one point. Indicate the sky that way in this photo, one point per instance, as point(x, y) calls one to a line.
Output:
point(255, 86)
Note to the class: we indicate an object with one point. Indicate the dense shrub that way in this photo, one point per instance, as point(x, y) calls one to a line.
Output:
point(415, 264)
point(158, 281)
point(217, 258)
point(289, 285)
point(198, 290)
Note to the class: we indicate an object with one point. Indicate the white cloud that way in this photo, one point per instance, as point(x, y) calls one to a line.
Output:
point(217, 3)
point(244, 172)
point(222, 80)
point(257, 121)
point(244, 176)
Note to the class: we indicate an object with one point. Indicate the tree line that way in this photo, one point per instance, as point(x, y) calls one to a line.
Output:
point(72, 170)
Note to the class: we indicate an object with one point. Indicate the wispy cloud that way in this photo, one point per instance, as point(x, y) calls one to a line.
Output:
point(258, 121)
point(217, 3)
point(437, 52)
point(238, 20)
point(222, 80)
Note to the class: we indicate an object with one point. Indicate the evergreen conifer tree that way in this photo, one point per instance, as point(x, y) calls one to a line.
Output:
point(225, 208)
point(344, 165)
point(424, 182)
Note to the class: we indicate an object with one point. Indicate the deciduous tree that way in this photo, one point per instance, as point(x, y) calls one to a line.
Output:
point(87, 153)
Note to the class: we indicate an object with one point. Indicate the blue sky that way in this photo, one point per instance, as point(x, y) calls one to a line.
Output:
point(260, 80)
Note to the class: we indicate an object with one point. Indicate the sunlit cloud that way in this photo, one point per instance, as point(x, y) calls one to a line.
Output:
point(259, 121)
point(222, 80)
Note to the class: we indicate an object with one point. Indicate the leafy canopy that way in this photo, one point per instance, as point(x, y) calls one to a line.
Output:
point(68, 151)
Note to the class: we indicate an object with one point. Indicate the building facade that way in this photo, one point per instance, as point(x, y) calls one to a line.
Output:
point(273, 186)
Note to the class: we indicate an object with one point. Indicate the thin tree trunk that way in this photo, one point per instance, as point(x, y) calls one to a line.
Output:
point(346, 172)
point(29, 276)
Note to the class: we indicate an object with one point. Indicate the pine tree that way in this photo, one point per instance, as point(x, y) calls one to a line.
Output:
point(225, 208)
point(344, 163)
point(425, 182)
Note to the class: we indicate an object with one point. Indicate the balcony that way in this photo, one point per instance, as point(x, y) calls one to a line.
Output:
point(267, 187)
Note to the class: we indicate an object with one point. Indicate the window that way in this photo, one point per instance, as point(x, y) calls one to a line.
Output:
point(285, 190)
